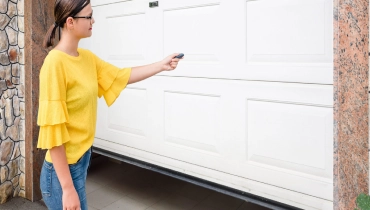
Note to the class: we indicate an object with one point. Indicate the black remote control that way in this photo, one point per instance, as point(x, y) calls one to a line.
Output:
point(180, 55)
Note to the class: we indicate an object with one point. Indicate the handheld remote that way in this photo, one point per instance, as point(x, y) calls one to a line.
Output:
point(180, 55)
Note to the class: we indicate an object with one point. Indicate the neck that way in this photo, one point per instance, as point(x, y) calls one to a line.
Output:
point(68, 44)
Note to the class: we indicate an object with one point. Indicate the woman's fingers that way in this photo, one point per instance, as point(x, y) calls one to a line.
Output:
point(72, 208)
point(171, 62)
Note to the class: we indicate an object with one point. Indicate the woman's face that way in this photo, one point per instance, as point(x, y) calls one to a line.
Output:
point(83, 26)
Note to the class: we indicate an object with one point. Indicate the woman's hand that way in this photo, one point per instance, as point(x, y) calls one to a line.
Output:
point(170, 62)
point(70, 199)
point(139, 73)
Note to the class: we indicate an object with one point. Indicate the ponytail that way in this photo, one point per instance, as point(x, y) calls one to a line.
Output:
point(62, 10)
point(50, 36)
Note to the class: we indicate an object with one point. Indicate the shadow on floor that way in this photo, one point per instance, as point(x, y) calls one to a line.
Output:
point(117, 185)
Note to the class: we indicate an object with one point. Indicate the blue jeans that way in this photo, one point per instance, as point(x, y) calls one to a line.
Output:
point(50, 187)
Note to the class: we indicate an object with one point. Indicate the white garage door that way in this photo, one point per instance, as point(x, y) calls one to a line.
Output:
point(250, 107)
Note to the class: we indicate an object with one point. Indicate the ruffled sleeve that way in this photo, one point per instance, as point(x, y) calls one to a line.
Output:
point(111, 80)
point(53, 113)
point(52, 135)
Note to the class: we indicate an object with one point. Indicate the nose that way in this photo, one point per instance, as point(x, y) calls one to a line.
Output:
point(92, 20)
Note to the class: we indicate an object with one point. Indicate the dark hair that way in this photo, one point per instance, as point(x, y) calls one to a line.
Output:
point(62, 10)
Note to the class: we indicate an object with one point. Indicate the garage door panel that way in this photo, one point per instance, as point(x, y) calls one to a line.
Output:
point(125, 32)
point(293, 31)
point(289, 41)
point(203, 43)
point(179, 26)
point(125, 37)
point(192, 120)
point(203, 54)
point(127, 121)
point(288, 135)
point(128, 114)
point(119, 36)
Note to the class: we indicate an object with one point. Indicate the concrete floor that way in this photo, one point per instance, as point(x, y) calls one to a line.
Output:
point(117, 185)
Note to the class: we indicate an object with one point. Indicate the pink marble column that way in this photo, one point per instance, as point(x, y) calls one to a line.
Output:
point(351, 59)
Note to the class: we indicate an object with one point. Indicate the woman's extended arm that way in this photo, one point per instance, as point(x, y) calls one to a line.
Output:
point(142, 72)
point(70, 197)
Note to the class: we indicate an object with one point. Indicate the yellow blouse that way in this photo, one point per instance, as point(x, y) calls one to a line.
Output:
point(69, 87)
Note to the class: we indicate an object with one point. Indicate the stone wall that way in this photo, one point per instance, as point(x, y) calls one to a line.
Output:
point(12, 123)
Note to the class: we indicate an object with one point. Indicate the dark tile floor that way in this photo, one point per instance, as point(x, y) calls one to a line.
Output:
point(22, 204)
point(117, 185)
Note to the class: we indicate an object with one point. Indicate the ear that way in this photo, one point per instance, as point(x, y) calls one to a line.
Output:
point(70, 23)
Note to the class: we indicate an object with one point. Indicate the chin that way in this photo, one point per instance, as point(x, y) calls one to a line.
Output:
point(86, 36)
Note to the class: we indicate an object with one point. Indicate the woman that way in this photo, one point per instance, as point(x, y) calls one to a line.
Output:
point(71, 79)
